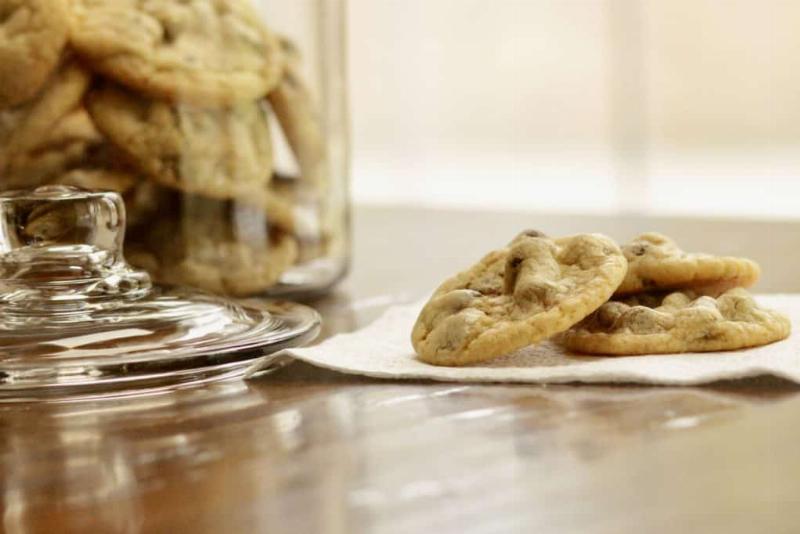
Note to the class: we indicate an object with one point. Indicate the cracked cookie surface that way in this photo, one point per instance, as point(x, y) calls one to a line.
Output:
point(655, 262)
point(517, 296)
point(204, 52)
point(677, 322)
point(32, 37)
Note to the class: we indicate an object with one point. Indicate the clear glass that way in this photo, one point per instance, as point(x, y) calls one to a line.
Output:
point(76, 319)
point(223, 123)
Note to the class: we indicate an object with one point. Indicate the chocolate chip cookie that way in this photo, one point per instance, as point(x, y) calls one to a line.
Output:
point(234, 268)
point(39, 137)
point(68, 144)
point(99, 179)
point(222, 153)
point(517, 296)
point(32, 37)
point(203, 52)
point(312, 223)
point(301, 125)
point(656, 263)
point(191, 252)
point(677, 322)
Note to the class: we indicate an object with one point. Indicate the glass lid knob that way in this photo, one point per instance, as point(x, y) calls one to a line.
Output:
point(76, 319)
point(62, 246)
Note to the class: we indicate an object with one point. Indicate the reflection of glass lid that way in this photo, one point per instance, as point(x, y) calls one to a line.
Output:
point(75, 318)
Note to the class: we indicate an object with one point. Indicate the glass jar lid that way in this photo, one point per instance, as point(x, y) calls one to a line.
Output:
point(76, 319)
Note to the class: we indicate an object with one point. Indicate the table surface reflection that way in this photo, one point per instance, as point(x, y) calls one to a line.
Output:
point(307, 450)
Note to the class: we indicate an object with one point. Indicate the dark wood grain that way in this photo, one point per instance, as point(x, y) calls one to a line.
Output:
point(306, 450)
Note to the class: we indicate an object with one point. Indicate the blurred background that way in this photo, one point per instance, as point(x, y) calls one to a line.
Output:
point(658, 107)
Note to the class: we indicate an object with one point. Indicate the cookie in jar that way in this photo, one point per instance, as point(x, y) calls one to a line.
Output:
point(222, 123)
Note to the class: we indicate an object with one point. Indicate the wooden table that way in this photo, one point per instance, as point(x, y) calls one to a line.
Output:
point(305, 450)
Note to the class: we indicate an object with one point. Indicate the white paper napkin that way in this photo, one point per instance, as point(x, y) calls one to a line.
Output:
point(383, 350)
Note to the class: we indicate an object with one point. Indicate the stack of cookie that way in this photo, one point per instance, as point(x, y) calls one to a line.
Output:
point(170, 104)
point(593, 297)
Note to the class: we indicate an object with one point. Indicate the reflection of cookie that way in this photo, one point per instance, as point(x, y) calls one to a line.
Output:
point(656, 262)
point(32, 36)
point(219, 153)
point(679, 322)
point(50, 222)
point(294, 108)
point(144, 201)
point(517, 296)
point(195, 51)
point(25, 128)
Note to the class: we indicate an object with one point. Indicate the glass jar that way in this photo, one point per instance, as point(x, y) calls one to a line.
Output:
point(223, 123)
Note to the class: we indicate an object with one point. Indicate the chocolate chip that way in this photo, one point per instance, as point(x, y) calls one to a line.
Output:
point(533, 233)
point(711, 336)
point(510, 276)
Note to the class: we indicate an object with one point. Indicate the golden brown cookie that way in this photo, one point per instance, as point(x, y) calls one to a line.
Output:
point(183, 253)
point(305, 202)
point(32, 37)
point(311, 223)
point(290, 50)
point(279, 212)
point(294, 108)
point(202, 52)
point(678, 322)
point(36, 124)
point(656, 263)
point(312, 249)
point(145, 201)
point(222, 153)
point(50, 223)
point(234, 268)
point(98, 179)
point(75, 125)
point(517, 296)
point(68, 143)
